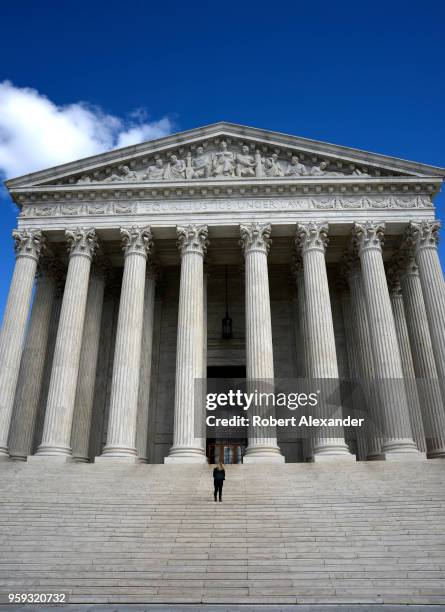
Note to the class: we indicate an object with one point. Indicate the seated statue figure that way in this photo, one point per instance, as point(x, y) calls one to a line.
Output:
point(201, 164)
point(245, 163)
point(156, 172)
point(272, 166)
point(360, 172)
point(124, 173)
point(296, 168)
point(322, 170)
point(175, 168)
point(319, 170)
point(84, 179)
point(223, 161)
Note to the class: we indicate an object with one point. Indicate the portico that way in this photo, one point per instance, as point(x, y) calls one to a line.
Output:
point(132, 250)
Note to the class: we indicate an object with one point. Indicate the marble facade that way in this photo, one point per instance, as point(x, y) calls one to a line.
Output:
point(334, 273)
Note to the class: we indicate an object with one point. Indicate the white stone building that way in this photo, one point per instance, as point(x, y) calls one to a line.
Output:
point(131, 250)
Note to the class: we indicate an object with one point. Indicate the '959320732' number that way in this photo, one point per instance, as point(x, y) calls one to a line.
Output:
point(37, 598)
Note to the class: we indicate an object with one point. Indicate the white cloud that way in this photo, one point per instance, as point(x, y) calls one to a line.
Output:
point(35, 133)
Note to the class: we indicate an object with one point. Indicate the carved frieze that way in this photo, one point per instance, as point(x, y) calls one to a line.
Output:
point(226, 159)
point(160, 206)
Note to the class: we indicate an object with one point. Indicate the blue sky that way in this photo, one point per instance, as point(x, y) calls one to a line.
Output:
point(100, 74)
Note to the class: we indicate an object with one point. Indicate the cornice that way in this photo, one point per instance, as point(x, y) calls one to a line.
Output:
point(227, 130)
point(258, 188)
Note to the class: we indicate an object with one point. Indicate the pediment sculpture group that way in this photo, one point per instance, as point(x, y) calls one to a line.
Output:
point(223, 163)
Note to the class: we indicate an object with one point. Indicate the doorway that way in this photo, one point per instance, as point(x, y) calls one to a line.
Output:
point(229, 451)
point(226, 371)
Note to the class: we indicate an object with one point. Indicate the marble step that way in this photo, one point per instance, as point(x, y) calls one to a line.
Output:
point(297, 534)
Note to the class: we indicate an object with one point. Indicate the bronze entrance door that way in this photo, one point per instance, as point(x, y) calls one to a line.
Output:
point(228, 452)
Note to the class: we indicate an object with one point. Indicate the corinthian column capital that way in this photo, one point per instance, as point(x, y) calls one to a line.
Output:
point(192, 238)
point(368, 235)
point(424, 234)
point(312, 236)
point(256, 237)
point(28, 243)
point(137, 240)
point(82, 241)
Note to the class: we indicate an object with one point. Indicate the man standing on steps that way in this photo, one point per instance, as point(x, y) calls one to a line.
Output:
point(219, 475)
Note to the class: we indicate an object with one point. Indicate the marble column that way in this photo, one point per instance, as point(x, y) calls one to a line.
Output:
point(204, 317)
point(354, 372)
point(398, 443)
point(56, 436)
point(312, 239)
point(398, 310)
point(303, 345)
point(33, 360)
point(28, 245)
point(52, 335)
point(122, 420)
point(104, 364)
point(204, 339)
point(423, 360)
point(255, 240)
point(425, 236)
point(83, 411)
point(146, 359)
point(365, 360)
point(188, 434)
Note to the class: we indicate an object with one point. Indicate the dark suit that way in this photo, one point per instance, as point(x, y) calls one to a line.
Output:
point(218, 480)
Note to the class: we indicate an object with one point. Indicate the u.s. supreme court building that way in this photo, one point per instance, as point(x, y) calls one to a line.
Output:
point(223, 251)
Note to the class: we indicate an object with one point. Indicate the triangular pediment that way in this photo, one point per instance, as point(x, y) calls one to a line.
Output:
point(225, 151)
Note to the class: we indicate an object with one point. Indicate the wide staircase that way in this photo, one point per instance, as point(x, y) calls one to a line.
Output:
point(285, 534)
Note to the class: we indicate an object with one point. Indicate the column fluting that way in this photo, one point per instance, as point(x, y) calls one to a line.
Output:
point(312, 239)
point(46, 377)
point(303, 344)
point(365, 360)
point(33, 360)
point(353, 359)
point(398, 440)
point(398, 310)
point(188, 433)
point(146, 358)
point(56, 438)
point(83, 411)
point(423, 359)
point(424, 237)
point(28, 246)
point(122, 420)
point(255, 241)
